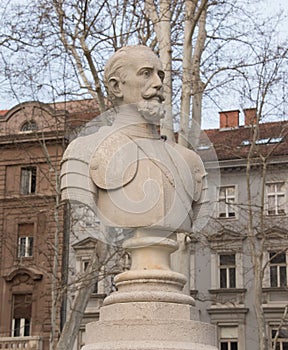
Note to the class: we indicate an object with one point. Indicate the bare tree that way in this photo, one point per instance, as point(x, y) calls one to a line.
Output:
point(260, 87)
point(61, 46)
point(260, 154)
point(57, 49)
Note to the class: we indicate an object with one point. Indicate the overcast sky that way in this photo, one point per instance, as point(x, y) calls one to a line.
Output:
point(269, 7)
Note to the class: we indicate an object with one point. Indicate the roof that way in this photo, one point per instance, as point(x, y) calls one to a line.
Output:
point(235, 143)
point(3, 112)
point(79, 111)
point(76, 113)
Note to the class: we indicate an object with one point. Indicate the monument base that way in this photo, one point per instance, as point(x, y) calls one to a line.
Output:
point(149, 311)
point(149, 326)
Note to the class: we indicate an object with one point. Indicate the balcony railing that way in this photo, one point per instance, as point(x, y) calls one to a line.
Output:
point(27, 343)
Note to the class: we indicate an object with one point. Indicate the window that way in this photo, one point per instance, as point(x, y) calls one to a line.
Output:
point(25, 240)
point(85, 264)
point(29, 126)
point(281, 338)
point(228, 345)
point(25, 247)
point(228, 338)
point(22, 310)
point(226, 202)
point(275, 198)
point(21, 327)
point(227, 268)
point(278, 272)
point(28, 180)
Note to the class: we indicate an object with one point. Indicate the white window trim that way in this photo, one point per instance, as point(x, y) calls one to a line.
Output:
point(274, 193)
point(278, 274)
point(266, 266)
point(241, 332)
point(227, 270)
point(234, 338)
point(22, 327)
point(215, 269)
point(235, 202)
point(27, 246)
point(280, 340)
point(29, 170)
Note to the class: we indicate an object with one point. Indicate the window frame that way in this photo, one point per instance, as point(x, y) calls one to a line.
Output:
point(28, 180)
point(84, 263)
point(24, 328)
point(228, 268)
point(276, 194)
point(225, 201)
point(280, 340)
point(229, 343)
point(29, 127)
point(21, 320)
point(227, 339)
point(28, 247)
point(278, 266)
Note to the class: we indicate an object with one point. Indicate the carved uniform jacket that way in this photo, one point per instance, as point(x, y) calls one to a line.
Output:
point(133, 178)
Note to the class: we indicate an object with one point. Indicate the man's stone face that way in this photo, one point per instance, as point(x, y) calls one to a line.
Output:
point(143, 85)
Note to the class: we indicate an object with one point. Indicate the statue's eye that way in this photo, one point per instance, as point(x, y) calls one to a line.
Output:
point(161, 76)
point(146, 73)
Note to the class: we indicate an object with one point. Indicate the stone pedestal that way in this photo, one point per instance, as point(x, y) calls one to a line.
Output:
point(149, 310)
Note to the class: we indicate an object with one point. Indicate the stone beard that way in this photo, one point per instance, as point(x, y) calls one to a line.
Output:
point(151, 112)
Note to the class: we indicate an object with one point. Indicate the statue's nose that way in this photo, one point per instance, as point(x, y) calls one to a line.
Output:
point(157, 82)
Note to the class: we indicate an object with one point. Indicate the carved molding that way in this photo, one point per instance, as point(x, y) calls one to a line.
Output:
point(34, 274)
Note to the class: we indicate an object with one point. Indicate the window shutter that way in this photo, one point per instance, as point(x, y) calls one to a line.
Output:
point(22, 306)
point(26, 230)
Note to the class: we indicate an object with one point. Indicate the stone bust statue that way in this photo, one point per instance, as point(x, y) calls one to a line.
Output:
point(127, 173)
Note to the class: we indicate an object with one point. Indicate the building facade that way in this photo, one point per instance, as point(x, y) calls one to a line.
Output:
point(243, 251)
point(33, 244)
point(44, 253)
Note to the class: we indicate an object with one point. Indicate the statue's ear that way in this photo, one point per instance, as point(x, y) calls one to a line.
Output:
point(114, 86)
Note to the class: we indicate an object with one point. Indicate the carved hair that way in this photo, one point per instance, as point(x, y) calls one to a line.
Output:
point(117, 63)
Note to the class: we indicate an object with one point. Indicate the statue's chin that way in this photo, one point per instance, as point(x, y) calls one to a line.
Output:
point(151, 111)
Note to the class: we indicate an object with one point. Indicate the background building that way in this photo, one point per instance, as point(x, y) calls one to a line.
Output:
point(239, 261)
point(33, 254)
point(44, 253)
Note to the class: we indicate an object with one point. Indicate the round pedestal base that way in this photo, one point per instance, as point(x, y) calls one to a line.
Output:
point(148, 326)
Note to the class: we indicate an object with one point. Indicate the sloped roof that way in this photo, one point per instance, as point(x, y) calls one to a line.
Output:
point(76, 113)
point(235, 143)
point(3, 112)
point(79, 111)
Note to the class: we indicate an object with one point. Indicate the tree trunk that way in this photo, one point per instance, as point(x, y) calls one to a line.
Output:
point(258, 277)
point(186, 74)
point(197, 84)
point(73, 322)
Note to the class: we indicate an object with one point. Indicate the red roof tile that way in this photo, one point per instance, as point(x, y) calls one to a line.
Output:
point(235, 143)
point(3, 112)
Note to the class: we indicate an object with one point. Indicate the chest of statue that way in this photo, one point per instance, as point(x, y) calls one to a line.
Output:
point(142, 182)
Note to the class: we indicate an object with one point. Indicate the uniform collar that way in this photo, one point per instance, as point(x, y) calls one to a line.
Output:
point(130, 122)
